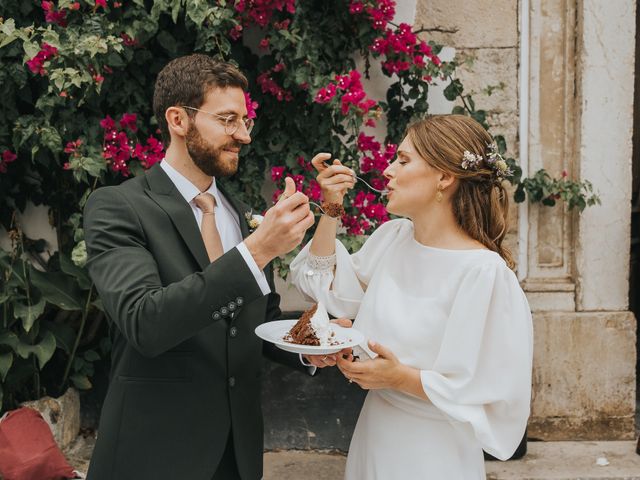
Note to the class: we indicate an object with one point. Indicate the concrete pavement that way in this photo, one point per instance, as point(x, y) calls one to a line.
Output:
point(544, 461)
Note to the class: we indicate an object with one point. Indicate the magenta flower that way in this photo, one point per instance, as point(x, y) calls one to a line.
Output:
point(51, 15)
point(36, 64)
point(101, 3)
point(7, 157)
point(251, 105)
point(128, 122)
point(277, 173)
point(107, 123)
point(326, 94)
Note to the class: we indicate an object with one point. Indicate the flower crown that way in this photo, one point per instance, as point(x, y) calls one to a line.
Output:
point(492, 160)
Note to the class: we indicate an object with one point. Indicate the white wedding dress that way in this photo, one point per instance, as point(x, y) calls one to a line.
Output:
point(461, 318)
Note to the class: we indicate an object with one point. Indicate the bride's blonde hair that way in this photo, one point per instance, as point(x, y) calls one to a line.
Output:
point(480, 202)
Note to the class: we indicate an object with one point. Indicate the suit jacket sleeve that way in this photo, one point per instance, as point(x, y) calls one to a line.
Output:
point(154, 317)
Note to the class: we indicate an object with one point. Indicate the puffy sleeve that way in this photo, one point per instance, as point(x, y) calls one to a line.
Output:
point(482, 373)
point(341, 291)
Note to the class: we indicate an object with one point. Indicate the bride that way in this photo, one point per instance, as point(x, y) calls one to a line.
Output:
point(449, 358)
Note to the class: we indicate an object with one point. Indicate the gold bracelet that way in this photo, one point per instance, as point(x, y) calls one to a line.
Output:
point(334, 210)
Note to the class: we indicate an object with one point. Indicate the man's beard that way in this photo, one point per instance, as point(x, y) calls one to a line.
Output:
point(208, 158)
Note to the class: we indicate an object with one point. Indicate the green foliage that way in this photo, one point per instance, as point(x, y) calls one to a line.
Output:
point(61, 79)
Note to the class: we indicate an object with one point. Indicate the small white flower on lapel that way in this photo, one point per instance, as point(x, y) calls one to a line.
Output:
point(253, 221)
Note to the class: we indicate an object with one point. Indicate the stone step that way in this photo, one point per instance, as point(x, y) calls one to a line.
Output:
point(544, 461)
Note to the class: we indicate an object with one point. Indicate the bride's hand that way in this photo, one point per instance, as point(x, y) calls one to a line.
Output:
point(322, 361)
point(384, 371)
point(334, 180)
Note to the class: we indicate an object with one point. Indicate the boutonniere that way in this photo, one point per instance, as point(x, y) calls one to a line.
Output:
point(253, 220)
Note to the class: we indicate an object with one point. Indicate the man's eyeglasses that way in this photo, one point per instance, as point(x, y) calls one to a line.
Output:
point(231, 122)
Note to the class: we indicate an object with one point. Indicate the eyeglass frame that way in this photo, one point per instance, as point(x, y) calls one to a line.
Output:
point(248, 122)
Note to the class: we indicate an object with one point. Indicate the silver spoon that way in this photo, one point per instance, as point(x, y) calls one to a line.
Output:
point(381, 192)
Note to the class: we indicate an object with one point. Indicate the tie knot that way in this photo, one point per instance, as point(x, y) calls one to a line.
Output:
point(205, 202)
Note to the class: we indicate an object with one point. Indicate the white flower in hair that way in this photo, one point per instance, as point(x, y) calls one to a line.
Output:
point(470, 161)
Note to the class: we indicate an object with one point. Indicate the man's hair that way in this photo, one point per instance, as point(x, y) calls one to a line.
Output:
point(185, 81)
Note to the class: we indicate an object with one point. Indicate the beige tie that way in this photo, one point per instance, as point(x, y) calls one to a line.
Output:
point(210, 235)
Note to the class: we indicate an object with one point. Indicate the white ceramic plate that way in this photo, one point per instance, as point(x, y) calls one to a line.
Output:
point(274, 332)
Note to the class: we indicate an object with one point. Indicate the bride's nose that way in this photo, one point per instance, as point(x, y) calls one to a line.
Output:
point(387, 172)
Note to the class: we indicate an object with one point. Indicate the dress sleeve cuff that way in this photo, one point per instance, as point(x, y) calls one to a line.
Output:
point(311, 369)
point(259, 275)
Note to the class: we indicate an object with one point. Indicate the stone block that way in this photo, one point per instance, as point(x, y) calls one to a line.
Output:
point(477, 24)
point(62, 414)
point(489, 67)
point(584, 376)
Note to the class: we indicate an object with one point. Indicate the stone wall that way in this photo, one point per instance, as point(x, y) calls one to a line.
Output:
point(574, 112)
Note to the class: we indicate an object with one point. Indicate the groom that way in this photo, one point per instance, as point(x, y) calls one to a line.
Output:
point(184, 286)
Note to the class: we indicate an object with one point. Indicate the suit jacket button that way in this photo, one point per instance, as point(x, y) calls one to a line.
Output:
point(232, 306)
point(224, 311)
point(232, 381)
point(233, 332)
point(216, 316)
point(239, 301)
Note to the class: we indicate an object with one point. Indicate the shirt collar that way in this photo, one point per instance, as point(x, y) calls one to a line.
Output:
point(187, 189)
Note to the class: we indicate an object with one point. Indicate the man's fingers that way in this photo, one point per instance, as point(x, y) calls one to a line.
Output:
point(289, 188)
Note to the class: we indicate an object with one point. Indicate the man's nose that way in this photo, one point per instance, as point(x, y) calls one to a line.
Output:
point(242, 134)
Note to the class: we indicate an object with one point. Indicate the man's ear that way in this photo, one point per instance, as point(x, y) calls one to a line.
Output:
point(177, 121)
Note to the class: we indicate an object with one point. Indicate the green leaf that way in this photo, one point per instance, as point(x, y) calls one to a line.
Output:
point(6, 360)
point(43, 350)
point(81, 382)
point(91, 356)
point(454, 89)
point(28, 313)
point(65, 335)
point(58, 288)
point(80, 274)
point(16, 267)
point(10, 339)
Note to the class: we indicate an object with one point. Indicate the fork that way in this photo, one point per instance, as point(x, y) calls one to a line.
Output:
point(381, 192)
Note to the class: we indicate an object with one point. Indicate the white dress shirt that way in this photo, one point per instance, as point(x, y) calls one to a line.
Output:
point(226, 217)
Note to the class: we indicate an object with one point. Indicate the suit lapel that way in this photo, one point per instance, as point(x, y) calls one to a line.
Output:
point(240, 210)
point(164, 193)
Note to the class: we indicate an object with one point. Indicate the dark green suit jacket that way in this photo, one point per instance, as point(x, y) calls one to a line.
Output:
point(185, 360)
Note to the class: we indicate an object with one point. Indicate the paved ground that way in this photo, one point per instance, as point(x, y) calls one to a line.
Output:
point(544, 461)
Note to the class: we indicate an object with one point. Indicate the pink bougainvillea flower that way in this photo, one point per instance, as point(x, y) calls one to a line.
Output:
point(260, 12)
point(277, 173)
point(7, 157)
point(51, 15)
point(251, 105)
point(264, 43)
point(107, 123)
point(325, 94)
point(73, 146)
point(36, 64)
point(127, 41)
point(270, 86)
point(128, 122)
point(101, 3)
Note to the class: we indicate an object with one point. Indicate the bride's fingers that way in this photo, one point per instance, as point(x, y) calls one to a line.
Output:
point(318, 161)
point(343, 322)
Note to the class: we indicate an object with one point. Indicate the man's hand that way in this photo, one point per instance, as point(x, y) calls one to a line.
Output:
point(283, 226)
point(322, 361)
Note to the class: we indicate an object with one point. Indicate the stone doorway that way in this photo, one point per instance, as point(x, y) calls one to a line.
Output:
point(634, 270)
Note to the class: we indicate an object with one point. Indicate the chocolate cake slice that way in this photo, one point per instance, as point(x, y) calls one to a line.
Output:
point(302, 332)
